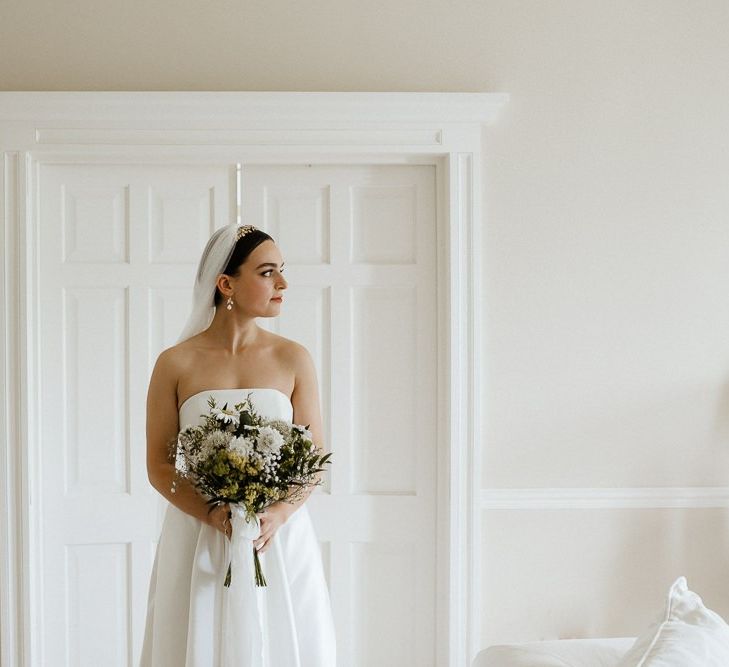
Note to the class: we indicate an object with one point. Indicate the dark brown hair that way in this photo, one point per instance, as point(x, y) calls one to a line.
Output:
point(243, 247)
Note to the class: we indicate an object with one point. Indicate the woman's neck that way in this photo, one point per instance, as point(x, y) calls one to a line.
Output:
point(233, 333)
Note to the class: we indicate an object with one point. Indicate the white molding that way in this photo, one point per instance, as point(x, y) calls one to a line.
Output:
point(476, 379)
point(465, 464)
point(29, 396)
point(16, 360)
point(443, 129)
point(464, 626)
point(605, 498)
point(240, 109)
point(263, 137)
point(11, 599)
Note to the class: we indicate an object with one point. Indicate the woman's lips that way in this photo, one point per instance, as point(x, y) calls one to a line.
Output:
point(277, 298)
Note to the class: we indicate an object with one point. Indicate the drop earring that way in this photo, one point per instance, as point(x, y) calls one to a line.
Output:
point(230, 303)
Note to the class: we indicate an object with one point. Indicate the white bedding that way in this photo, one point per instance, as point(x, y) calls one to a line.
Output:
point(557, 653)
point(684, 634)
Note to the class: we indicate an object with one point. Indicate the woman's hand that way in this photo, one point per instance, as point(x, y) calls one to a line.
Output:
point(219, 519)
point(272, 518)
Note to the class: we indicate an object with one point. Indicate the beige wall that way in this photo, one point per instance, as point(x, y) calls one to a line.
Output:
point(606, 256)
point(606, 247)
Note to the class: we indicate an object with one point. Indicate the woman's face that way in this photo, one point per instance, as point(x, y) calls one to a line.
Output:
point(260, 283)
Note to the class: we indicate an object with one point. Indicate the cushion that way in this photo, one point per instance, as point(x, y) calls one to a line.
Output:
point(685, 634)
point(556, 653)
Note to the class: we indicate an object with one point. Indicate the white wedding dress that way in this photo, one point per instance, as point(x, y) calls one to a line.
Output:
point(194, 621)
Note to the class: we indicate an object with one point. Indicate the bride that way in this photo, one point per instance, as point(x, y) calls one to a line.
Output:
point(192, 619)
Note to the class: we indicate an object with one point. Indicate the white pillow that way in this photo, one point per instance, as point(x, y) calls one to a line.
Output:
point(686, 634)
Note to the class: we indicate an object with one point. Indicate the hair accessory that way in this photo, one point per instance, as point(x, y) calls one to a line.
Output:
point(243, 230)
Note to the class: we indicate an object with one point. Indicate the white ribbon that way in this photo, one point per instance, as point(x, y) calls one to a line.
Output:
point(243, 613)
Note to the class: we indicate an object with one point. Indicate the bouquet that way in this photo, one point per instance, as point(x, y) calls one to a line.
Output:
point(237, 456)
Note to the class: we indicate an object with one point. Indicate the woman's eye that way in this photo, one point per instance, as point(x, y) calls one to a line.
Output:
point(265, 273)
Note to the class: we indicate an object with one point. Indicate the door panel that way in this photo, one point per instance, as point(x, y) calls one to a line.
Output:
point(118, 252)
point(359, 247)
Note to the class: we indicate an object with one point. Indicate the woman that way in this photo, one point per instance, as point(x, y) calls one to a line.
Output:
point(192, 619)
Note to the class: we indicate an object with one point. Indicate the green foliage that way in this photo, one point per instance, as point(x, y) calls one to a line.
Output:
point(243, 471)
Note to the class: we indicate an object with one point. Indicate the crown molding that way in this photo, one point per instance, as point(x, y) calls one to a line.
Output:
point(253, 106)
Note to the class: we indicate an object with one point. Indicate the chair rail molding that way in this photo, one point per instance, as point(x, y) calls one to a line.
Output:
point(605, 498)
point(246, 128)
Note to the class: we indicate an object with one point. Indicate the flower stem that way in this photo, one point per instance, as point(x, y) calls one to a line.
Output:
point(260, 579)
point(227, 577)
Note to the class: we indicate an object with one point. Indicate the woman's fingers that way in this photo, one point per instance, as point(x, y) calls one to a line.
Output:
point(265, 546)
point(227, 527)
point(261, 543)
point(262, 539)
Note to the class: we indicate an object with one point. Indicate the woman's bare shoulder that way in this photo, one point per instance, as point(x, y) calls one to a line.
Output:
point(288, 348)
point(175, 359)
point(298, 360)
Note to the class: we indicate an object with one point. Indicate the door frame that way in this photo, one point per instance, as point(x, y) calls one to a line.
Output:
point(442, 129)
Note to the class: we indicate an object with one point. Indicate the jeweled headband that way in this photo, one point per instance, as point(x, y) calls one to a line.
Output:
point(243, 230)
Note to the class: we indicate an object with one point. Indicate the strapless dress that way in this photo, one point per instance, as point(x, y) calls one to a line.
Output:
point(192, 620)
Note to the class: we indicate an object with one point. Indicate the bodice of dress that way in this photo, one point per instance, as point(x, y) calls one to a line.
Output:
point(268, 402)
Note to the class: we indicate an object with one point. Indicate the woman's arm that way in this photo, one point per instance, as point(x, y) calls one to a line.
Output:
point(305, 400)
point(163, 427)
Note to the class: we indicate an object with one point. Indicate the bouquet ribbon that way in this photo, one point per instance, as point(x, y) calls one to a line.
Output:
point(243, 631)
point(247, 606)
point(244, 530)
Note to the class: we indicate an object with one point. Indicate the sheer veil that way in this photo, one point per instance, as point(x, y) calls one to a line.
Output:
point(214, 259)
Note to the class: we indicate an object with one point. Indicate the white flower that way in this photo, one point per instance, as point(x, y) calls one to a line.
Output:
point(241, 445)
point(212, 442)
point(217, 439)
point(269, 440)
point(229, 415)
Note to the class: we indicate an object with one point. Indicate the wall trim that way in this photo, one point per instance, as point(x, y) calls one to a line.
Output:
point(605, 498)
point(293, 137)
point(11, 597)
point(250, 109)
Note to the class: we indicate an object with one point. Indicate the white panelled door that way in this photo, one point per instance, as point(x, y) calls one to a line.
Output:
point(359, 243)
point(119, 246)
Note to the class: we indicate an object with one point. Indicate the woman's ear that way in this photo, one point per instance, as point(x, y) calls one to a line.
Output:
point(223, 284)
